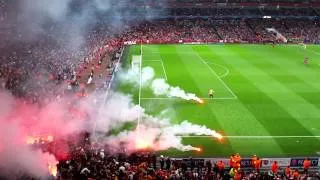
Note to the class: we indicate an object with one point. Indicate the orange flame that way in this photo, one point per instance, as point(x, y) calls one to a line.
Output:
point(31, 140)
point(39, 139)
point(53, 169)
point(219, 136)
point(198, 149)
point(200, 101)
point(141, 144)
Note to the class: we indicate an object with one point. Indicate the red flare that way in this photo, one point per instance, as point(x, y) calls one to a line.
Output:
point(219, 136)
point(200, 101)
point(52, 167)
point(39, 139)
point(141, 144)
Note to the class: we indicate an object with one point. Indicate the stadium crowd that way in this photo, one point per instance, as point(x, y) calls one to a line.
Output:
point(59, 65)
point(87, 160)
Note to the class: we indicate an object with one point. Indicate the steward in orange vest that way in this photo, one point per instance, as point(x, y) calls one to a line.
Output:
point(254, 160)
point(306, 165)
point(237, 159)
point(275, 167)
point(232, 161)
point(258, 165)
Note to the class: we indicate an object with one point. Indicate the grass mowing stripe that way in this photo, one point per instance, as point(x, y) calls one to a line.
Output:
point(203, 98)
point(255, 137)
point(236, 118)
point(158, 69)
point(291, 80)
point(304, 112)
point(232, 113)
point(312, 51)
point(293, 62)
point(200, 74)
point(274, 118)
point(189, 81)
point(214, 73)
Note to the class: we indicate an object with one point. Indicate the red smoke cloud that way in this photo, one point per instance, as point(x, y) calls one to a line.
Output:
point(20, 122)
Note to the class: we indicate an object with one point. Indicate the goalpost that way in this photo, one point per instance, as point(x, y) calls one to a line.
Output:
point(135, 63)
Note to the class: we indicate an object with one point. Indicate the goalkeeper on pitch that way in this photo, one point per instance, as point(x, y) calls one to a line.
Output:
point(211, 93)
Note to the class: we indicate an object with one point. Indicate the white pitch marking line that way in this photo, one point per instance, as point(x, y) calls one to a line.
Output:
point(214, 73)
point(188, 52)
point(223, 67)
point(251, 137)
point(140, 84)
point(314, 52)
point(174, 98)
point(106, 94)
point(164, 70)
point(152, 60)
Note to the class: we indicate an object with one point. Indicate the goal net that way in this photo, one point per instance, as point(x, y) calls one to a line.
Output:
point(135, 63)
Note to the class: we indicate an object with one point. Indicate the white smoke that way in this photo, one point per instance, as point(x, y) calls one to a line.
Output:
point(161, 87)
point(132, 76)
point(158, 86)
point(159, 138)
point(187, 128)
point(153, 132)
point(118, 110)
point(61, 27)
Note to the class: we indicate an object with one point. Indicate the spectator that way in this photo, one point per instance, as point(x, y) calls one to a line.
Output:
point(161, 162)
point(221, 168)
point(168, 163)
point(274, 167)
point(209, 165)
point(288, 172)
point(296, 174)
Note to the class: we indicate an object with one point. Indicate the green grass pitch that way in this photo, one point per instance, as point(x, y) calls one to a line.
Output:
point(267, 100)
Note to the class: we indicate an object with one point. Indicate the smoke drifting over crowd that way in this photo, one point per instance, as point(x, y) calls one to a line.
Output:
point(19, 121)
point(35, 35)
point(53, 33)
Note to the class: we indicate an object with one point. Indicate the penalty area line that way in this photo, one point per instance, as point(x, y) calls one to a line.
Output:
point(215, 74)
point(173, 98)
point(250, 137)
point(140, 84)
point(163, 68)
point(151, 60)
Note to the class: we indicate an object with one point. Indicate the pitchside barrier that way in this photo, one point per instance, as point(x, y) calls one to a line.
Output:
point(266, 162)
point(208, 41)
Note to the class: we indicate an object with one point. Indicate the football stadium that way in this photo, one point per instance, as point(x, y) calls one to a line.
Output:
point(165, 89)
point(264, 99)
